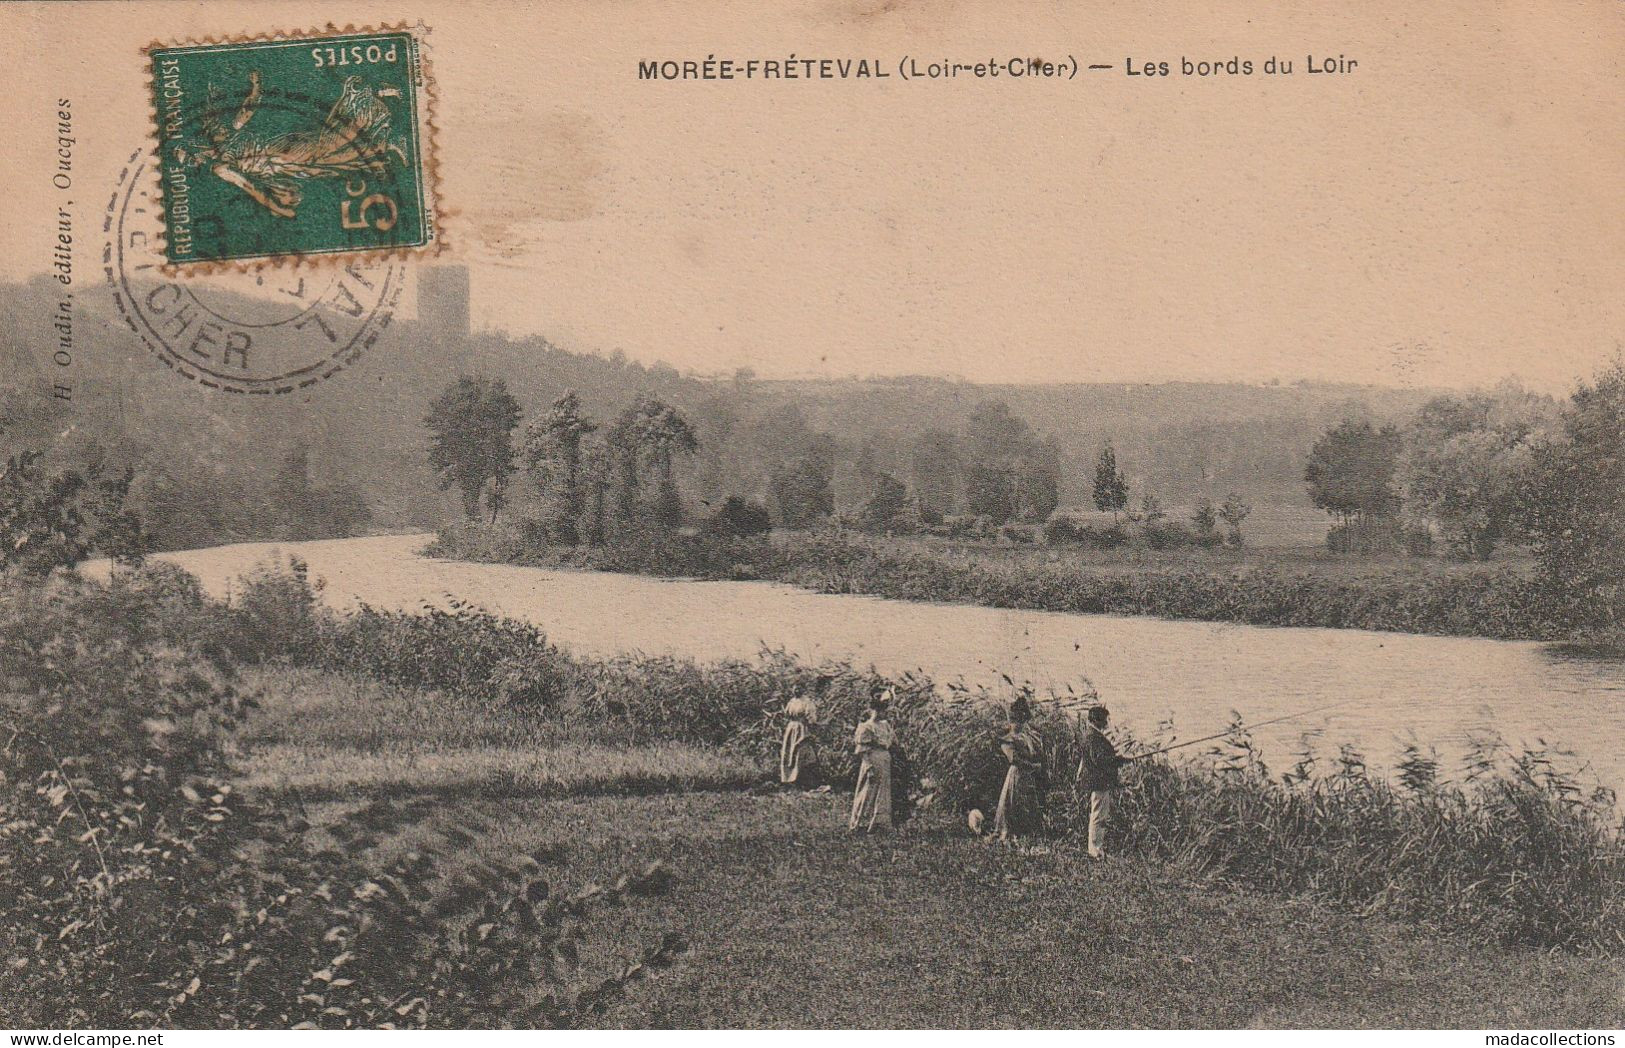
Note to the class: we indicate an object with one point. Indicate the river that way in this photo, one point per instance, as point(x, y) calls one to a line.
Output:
point(1398, 688)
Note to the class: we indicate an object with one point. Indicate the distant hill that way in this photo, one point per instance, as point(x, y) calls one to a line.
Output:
point(1178, 440)
point(363, 427)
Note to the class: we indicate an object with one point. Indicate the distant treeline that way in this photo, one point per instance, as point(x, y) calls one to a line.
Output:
point(1178, 441)
point(877, 453)
point(1482, 469)
point(75, 498)
point(578, 480)
point(363, 432)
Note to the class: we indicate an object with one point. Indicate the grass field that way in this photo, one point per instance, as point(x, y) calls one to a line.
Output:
point(794, 923)
point(333, 736)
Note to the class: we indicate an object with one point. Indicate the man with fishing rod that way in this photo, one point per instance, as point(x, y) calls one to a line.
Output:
point(1097, 770)
point(1097, 774)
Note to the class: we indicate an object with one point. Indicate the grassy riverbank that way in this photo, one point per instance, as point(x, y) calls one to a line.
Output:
point(360, 746)
point(793, 923)
point(1509, 848)
point(788, 915)
point(1261, 588)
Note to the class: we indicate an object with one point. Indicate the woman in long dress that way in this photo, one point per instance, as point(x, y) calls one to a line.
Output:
point(1020, 801)
point(795, 748)
point(871, 804)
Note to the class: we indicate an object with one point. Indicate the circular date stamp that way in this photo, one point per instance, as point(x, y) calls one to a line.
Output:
point(266, 332)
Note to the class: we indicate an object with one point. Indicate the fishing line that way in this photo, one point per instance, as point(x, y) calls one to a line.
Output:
point(1243, 727)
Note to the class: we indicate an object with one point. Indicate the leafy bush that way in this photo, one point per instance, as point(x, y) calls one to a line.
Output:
point(489, 543)
point(459, 650)
point(1417, 540)
point(1166, 534)
point(275, 612)
point(739, 518)
point(1061, 530)
point(669, 552)
point(1019, 534)
point(683, 554)
point(1366, 537)
point(139, 889)
point(968, 526)
point(57, 517)
point(536, 533)
point(1153, 532)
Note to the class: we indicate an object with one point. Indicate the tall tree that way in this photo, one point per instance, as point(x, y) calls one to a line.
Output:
point(471, 426)
point(296, 510)
point(1233, 511)
point(1574, 509)
point(719, 467)
point(990, 491)
point(288, 514)
point(802, 490)
point(1040, 480)
point(1111, 490)
point(1465, 464)
point(1351, 469)
point(862, 478)
point(552, 452)
point(647, 438)
point(1008, 473)
point(936, 472)
point(597, 478)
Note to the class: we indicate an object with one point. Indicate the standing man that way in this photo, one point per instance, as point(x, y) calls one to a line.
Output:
point(1097, 773)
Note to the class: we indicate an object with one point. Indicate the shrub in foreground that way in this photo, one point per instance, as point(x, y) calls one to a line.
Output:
point(137, 888)
point(1514, 853)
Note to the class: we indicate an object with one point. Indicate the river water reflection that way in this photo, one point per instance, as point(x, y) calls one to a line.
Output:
point(1436, 691)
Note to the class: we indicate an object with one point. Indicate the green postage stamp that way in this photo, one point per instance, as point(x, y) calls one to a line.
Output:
point(294, 147)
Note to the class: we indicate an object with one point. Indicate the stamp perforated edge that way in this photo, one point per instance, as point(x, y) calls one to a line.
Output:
point(429, 137)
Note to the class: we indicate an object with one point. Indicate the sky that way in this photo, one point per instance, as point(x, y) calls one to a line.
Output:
point(1447, 214)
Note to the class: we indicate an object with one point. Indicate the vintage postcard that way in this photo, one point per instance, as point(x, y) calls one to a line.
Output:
point(873, 515)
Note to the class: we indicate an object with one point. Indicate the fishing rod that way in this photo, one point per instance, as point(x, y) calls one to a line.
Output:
point(1242, 727)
